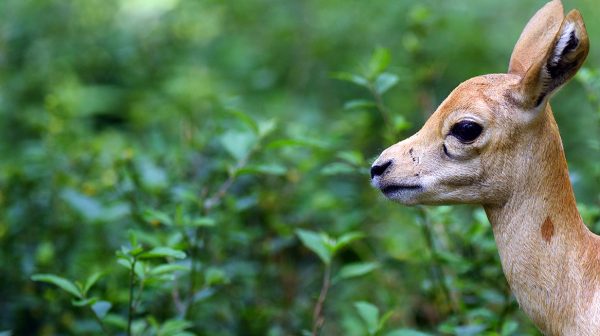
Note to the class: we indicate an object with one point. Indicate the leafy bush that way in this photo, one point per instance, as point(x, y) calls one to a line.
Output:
point(179, 167)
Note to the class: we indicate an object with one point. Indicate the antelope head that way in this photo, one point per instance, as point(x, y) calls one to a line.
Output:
point(486, 135)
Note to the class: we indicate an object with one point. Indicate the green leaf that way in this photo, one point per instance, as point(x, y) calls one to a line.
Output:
point(419, 14)
point(359, 104)
point(509, 327)
point(60, 282)
point(173, 327)
point(125, 261)
point(157, 217)
point(128, 252)
point(162, 252)
point(352, 78)
point(238, 144)
point(347, 238)
point(411, 42)
point(379, 61)
point(266, 127)
point(356, 269)
point(152, 176)
point(140, 269)
point(215, 276)
point(203, 222)
point(271, 169)
point(246, 119)
point(132, 238)
point(115, 320)
point(370, 315)
point(168, 269)
point(84, 302)
point(585, 75)
point(136, 251)
point(469, 329)
point(384, 82)
point(406, 332)
point(353, 157)
point(400, 123)
point(314, 242)
point(282, 143)
point(88, 207)
point(91, 280)
point(329, 242)
point(101, 308)
point(383, 320)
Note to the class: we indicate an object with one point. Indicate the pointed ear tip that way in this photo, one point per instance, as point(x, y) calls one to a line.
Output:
point(575, 17)
point(557, 4)
point(573, 14)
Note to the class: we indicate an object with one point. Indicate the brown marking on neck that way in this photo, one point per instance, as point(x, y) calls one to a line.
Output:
point(547, 230)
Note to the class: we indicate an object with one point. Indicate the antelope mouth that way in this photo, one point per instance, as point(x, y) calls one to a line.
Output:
point(395, 189)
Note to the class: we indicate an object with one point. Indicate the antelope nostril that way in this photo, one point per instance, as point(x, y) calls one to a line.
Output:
point(378, 170)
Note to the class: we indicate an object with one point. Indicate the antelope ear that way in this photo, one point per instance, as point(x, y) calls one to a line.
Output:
point(536, 36)
point(557, 62)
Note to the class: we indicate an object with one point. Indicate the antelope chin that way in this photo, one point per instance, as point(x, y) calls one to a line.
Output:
point(404, 193)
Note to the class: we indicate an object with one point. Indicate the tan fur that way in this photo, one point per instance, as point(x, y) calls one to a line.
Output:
point(540, 30)
point(517, 170)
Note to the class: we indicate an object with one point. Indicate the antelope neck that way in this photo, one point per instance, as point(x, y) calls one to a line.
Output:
point(539, 232)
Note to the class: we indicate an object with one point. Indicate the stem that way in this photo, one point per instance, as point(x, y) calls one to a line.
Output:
point(207, 206)
point(99, 321)
point(215, 199)
point(437, 269)
point(318, 318)
point(131, 196)
point(138, 297)
point(179, 305)
point(381, 108)
point(131, 305)
point(195, 249)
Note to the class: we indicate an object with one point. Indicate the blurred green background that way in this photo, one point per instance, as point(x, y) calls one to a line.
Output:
point(170, 166)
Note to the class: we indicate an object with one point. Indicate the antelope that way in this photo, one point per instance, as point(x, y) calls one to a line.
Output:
point(494, 141)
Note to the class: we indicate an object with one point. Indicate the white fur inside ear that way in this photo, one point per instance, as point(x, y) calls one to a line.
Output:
point(562, 43)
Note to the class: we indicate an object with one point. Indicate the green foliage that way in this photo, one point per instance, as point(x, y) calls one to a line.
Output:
point(62, 283)
point(370, 316)
point(324, 245)
point(355, 269)
point(171, 167)
point(318, 243)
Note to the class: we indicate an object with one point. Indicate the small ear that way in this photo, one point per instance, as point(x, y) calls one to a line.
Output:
point(558, 62)
point(536, 36)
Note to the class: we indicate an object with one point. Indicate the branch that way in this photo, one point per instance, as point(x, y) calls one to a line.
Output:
point(318, 318)
point(381, 107)
point(437, 269)
point(131, 305)
point(99, 321)
point(138, 297)
point(210, 203)
point(179, 305)
point(216, 198)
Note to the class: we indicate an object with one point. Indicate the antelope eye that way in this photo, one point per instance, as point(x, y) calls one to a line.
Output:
point(466, 131)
